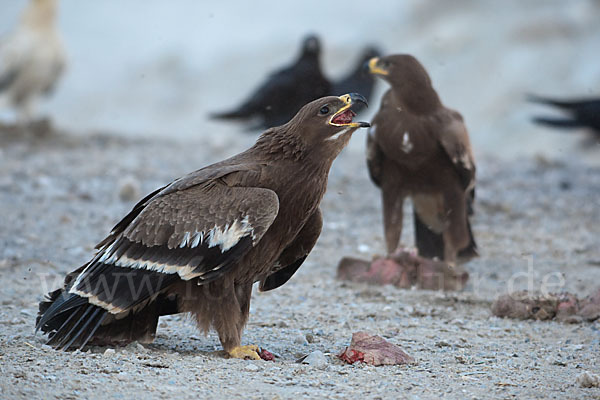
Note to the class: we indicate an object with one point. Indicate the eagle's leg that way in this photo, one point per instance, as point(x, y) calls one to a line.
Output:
point(393, 202)
point(231, 322)
point(457, 235)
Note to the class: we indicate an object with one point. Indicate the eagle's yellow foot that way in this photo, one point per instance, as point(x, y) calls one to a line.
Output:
point(248, 352)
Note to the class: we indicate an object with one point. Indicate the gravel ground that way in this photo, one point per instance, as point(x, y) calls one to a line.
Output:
point(537, 225)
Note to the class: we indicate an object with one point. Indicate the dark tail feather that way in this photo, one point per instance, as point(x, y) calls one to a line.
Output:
point(557, 122)
point(93, 330)
point(64, 337)
point(77, 328)
point(533, 98)
point(572, 104)
point(70, 320)
point(429, 243)
point(471, 250)
point(140, 326)
point(53, 310)
point(49, 299)
point(62, 326)
point(97, 315)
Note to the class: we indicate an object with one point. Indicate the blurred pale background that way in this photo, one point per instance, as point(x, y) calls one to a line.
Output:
point(157, 68)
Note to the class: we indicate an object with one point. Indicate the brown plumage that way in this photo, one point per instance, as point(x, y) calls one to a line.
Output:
point(420, 149)
point(198, 244)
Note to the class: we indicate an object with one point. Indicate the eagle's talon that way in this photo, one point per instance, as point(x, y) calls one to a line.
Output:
point(248, 352)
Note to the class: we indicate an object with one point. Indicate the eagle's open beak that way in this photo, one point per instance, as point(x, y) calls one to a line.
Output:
point(345, 114)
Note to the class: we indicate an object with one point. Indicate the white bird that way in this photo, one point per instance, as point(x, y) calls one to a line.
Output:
point(32, 59)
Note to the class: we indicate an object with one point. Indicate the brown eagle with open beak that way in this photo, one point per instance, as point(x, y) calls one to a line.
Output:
point(199, 244)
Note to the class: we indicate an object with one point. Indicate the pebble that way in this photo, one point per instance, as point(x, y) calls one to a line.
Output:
point(555, 361)
point(109, 352)
point(251, 367)
point(134, 347)
point(300, 339)
point(588, 380)
point(363, 248)
point(316, 359)
point(42, 182)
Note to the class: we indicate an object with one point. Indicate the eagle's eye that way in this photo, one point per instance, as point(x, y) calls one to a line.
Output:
point(324, 110)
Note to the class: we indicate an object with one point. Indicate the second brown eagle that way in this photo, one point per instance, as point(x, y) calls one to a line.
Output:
point(420, 149)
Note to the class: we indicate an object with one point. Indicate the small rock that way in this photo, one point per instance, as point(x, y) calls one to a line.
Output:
point(316, 359)
point(310, 338)
point(300, 339)
point(555, 361)
point(459, 358)
point(588, 380)
point(363, 248)
point(42, 181)
point(251, 367)
point(109, 352)
point(134, 347)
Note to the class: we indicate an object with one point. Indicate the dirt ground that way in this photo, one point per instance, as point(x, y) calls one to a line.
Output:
point(537, 224)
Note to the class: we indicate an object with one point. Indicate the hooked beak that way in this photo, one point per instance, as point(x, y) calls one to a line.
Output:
point(376, 69)
point(343, 117)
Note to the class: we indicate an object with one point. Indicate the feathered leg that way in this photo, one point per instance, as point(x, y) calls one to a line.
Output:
point(243, 293)
point(225, 306)
point(393, 203)
point(457, 236)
